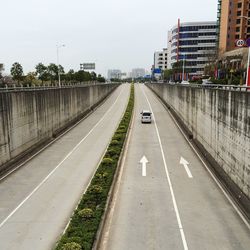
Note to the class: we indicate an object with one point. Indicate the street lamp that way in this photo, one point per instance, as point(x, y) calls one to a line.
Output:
point(57, 56)
point(248, 19)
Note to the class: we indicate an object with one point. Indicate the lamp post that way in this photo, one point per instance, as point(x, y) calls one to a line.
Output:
point(248, 58)
point(57, 57)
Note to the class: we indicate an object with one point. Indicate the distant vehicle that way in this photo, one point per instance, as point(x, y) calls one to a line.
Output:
point(206, 81)
point(146, 116)
point(170, 82)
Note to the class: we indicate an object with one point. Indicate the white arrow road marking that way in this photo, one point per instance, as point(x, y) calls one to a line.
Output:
point(185, 164)
point(144, 162)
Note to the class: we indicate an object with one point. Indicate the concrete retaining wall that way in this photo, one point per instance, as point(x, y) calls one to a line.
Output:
point(30, 118)
point(219, 121)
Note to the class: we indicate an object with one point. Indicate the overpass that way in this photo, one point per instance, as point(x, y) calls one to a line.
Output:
point(197, 147)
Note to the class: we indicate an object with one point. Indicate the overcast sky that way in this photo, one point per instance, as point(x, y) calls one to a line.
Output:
point(119, 34)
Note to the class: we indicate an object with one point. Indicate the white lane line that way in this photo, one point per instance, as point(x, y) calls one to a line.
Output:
point(184, 242)
point(185, 164)
point(208, 169)
point(65, 158)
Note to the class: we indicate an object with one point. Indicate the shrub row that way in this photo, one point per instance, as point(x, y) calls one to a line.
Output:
point(84, 224)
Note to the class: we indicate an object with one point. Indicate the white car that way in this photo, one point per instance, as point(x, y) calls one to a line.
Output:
point(185, 82)
point(146, 116)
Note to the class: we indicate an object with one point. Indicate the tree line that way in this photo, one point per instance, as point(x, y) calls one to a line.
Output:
point(47, 75)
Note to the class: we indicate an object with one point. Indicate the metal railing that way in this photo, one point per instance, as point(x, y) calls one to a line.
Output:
point(241, 88)
point(14, 87)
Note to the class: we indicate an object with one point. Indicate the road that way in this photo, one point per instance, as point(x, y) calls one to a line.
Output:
point(37, 200)
point(174, 203)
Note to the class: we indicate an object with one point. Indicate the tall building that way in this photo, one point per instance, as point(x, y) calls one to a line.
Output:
point(160, 59)
point(114, 74)
point(138, 73)
point(233, 23)
point(193, 42)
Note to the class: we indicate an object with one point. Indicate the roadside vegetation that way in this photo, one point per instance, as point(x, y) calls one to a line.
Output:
point(84, 224)
point(46, 75)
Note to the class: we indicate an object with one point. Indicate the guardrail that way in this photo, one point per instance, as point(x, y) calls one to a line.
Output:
point(212, 86)
point(14, 87)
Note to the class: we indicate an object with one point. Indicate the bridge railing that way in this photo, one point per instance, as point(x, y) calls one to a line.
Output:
point(9, 88)
point(213, 86)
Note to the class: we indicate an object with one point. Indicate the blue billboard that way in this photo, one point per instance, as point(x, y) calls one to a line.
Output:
point(157, 71)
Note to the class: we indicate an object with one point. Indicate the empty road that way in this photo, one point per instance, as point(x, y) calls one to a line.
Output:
point(173, 203)
point(37, 200)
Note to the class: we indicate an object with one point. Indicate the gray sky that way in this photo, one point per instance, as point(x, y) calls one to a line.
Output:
point(112, 33)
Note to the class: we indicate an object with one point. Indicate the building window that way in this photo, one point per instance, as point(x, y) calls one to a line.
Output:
point(238, 21)
point(237, 36)
point(237, 29)
point(239, 5)
point(248, 30)
point(239, 13)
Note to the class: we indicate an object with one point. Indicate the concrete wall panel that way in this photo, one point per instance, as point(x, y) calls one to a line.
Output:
point(220, 121)
point(30, 117)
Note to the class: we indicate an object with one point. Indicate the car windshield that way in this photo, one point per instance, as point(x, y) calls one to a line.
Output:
point(146, 114)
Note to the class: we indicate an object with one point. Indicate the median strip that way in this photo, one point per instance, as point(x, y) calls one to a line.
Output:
point(83, 227)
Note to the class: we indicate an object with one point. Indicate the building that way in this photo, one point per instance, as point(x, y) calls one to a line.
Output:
point(233, 23)
point(114, 74)
point(195, 43)
point(138, 73)
point(169, 50)
point(161, 59)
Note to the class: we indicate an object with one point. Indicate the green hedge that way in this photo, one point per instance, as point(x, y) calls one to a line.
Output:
point(85, 221)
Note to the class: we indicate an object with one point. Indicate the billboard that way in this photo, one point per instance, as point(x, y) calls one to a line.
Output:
point(87, 66)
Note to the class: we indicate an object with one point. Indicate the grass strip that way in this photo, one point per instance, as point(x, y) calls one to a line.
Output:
point(85, 221)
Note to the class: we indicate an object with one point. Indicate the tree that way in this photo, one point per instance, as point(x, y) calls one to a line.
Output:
point(82, 76)
point(60, 69)
point(167, 74)
point(177, 68)
point(100, 78)
point(1, 70)
point(17, 71)
point(42, 72)
point(70, 76)
point(30, 78)
point(93, 76)
point(52, 72)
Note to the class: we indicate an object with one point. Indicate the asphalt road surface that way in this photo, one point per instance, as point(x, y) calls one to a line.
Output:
point(169, 204)
point(37, 200)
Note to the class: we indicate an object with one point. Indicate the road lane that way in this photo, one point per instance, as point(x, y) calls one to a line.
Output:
point(144, 216)
point(39, 220)
point(208, 217)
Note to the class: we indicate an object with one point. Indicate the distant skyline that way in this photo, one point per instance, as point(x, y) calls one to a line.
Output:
point(115, 34)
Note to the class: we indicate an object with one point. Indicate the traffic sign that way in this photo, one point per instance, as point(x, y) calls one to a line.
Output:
point(240, 43)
